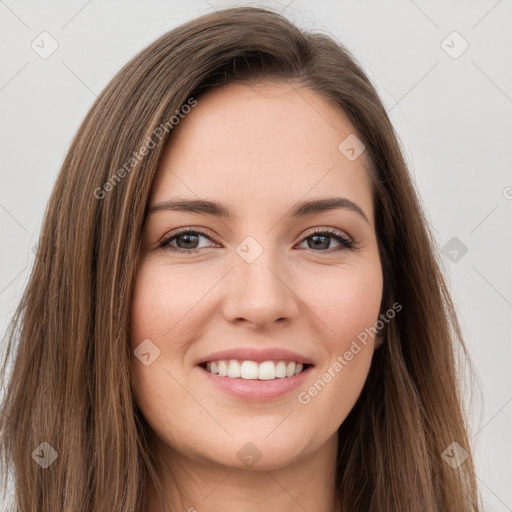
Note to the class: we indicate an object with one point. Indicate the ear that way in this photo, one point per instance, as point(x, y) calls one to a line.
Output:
point(379, 340)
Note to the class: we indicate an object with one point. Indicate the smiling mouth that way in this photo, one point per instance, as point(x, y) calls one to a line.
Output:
point(252, 370)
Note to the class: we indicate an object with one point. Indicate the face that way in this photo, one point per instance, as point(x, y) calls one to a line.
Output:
point(260, 293)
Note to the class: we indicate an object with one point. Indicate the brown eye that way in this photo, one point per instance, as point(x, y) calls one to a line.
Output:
point(321, 239)
point(186, 241)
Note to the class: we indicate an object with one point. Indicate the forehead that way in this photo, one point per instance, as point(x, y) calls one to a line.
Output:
point(278, 142)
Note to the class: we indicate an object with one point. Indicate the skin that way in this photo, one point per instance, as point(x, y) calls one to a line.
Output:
point(277, 143)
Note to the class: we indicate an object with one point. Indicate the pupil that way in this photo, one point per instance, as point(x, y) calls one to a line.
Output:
point(321, 237)
point(187, 239)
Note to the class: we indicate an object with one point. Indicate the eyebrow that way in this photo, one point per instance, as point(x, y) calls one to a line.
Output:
point(301, 209)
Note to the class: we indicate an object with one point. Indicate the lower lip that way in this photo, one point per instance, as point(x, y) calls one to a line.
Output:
point(257, 390)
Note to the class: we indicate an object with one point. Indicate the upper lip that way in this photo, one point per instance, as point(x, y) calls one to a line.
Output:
point(258, 355)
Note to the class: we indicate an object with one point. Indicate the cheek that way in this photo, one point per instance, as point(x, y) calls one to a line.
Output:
point(161, 301)
point(164, 304)
point(349, 310)
point(348, 301)
point(153, 313)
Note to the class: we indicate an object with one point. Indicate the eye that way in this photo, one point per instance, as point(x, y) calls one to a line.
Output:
point(322, 237)
point(187, 241)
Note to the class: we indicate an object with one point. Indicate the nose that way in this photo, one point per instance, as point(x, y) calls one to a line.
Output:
point(260, 293)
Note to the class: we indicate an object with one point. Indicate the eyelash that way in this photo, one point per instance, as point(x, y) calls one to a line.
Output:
point(345, 242)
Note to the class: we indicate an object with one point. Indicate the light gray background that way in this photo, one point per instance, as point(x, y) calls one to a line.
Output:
point(453, 116)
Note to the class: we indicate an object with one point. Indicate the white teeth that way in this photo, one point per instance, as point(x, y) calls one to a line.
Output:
point(251, 370)
point(267, 371)
point(281, 370)
point(223, 368)
point(234, 369)
point(290, 369)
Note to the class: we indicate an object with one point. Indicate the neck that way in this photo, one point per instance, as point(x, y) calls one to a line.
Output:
point(195, 485)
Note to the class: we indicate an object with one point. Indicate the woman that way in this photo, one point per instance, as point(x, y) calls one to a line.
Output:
point(236, 302)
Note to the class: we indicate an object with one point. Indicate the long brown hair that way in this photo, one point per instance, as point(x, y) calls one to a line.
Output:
point(70, 385)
